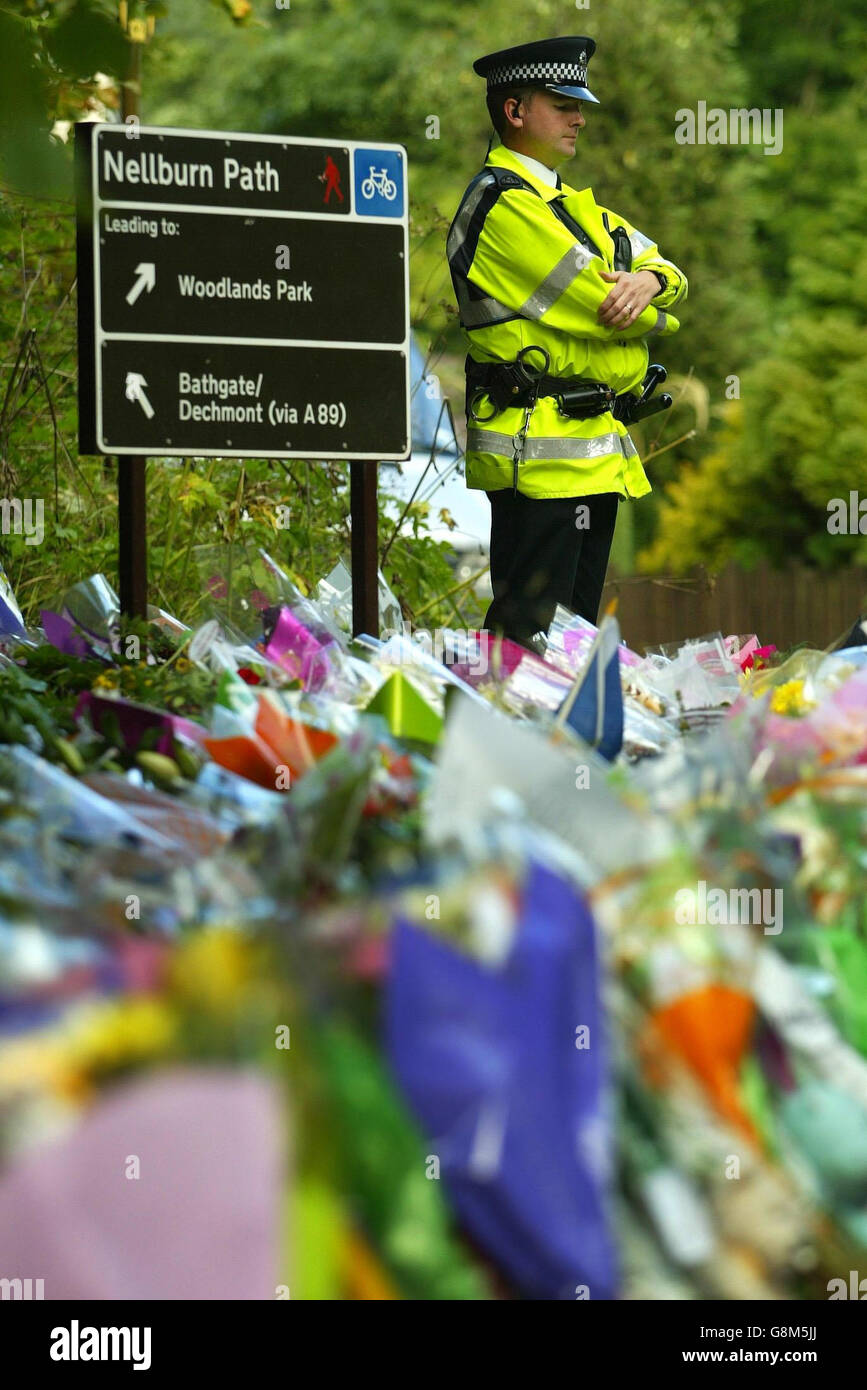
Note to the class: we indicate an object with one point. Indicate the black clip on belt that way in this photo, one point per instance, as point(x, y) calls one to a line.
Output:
point(519, 383)
point(507, 384)
point(640, 408)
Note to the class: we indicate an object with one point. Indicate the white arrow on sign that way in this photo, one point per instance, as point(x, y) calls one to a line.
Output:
point(135, 384)
point(147, 278)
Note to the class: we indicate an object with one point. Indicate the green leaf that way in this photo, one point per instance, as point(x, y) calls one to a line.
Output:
point(86, 41)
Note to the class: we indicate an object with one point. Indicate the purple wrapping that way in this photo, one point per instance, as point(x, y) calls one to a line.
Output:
point(293, 646)
point(135, 720)
point(514, 1110)
point(61, 633)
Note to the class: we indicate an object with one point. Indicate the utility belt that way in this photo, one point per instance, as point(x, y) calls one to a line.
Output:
point(521, 383)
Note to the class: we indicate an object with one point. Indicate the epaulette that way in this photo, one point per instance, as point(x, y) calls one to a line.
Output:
point(505, 178)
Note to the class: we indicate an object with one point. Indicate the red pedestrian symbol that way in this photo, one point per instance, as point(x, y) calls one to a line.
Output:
point(331, 179)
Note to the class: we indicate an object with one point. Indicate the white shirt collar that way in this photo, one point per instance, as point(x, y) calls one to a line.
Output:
point(540, 170)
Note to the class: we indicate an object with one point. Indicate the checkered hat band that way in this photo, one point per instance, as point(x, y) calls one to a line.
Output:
point(571, 73)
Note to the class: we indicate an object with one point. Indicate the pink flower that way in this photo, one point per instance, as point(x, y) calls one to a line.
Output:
point(758, 658)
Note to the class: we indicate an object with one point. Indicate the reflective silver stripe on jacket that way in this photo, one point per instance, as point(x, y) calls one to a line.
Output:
point(558, 447)
point(458, 232)
point(661, 321)
point(474, 313)
point(639, 242)
point(567, 269)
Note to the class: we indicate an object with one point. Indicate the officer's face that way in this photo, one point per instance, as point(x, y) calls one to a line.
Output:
point(547, 127)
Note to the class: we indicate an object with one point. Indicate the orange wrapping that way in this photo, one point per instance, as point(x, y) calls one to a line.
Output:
point(363, 1276)
point(710, 1030)
point(297, 745)
point(250, 757)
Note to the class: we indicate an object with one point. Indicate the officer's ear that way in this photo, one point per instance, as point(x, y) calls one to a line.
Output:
point(513, 104)
point(510, 109)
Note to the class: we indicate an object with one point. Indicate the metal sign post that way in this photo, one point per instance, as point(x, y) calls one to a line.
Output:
point(132, 556)
point(132, 512)
point(365, 570)
point(242, 296)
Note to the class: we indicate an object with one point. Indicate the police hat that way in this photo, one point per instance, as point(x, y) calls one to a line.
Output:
point(560, 65)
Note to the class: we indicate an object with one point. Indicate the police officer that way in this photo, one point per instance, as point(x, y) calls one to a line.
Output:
point(557, 298)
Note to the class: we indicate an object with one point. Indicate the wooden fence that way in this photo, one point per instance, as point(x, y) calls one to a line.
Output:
point(785, 607)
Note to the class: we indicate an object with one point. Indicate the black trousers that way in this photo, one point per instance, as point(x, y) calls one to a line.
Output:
point(544, 552)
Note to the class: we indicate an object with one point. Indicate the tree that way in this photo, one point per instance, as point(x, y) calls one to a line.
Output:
point(190, 504)
point(798, 438)
point(55, 56)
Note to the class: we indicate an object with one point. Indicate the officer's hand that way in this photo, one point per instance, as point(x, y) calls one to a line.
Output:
point(631, 294)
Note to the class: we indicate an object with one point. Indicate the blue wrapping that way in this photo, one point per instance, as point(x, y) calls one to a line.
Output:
point(487, 1059)
point(596, 713)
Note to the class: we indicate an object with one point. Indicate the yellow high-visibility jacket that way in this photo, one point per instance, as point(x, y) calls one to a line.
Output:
point(521, 277)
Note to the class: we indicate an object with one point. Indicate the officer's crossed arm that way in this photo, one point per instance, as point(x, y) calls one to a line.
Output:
point(631, 291)
point(528, 261)
point(646, 256)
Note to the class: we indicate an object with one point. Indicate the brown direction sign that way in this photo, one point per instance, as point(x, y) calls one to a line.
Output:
point(241, 295)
